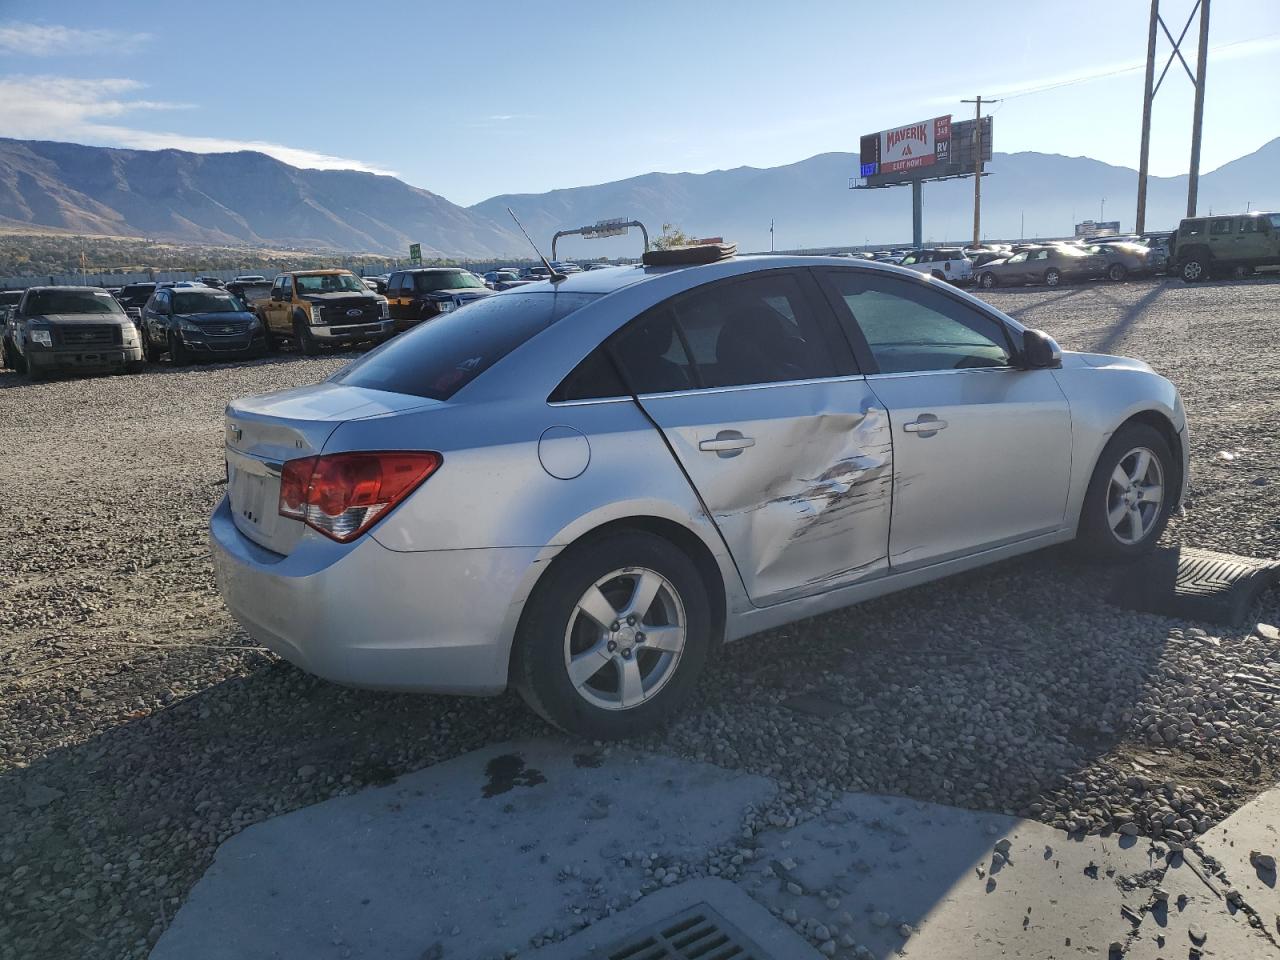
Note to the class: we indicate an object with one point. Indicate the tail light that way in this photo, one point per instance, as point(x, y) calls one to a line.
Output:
point(343, 494)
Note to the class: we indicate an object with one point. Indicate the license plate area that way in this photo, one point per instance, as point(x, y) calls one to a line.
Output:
point(253, 488)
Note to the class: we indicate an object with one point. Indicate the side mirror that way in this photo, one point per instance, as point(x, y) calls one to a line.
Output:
point(1040, 351)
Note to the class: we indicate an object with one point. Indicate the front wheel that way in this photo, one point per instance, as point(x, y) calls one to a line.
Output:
point(307, 345)
point(1130, 496)
point(614, 637)
point(987, 280)
point(179, 355)
point(1195, 269)
point(1052, 277)
point(1117, 272)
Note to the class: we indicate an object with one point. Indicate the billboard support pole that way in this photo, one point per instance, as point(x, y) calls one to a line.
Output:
point(917, 213)
point(1197, 119)
point(1140, 217)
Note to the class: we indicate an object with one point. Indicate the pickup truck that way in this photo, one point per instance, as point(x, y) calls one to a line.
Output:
point(315, 308)
point(57, 329)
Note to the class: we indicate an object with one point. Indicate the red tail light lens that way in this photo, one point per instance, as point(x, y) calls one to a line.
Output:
point(343, 494)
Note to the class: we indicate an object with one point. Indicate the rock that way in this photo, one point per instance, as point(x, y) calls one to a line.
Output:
point(37, 795)
point(880, 919)
point(821, 933)
point(828, 949)
point(1267, 632)
point(1262, 861)
point(794, 888)
point(1197, 934)
point(306, 772)
point(1160, 895)
point(1003, 846)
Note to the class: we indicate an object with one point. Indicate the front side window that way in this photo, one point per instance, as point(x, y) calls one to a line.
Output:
point(1249, 224)
point(40, 302)
point(1219, 227)
point(1018, 258)
point(912, 328)
point(330, 283)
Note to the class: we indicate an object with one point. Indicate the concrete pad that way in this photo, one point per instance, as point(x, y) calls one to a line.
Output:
point(766, 931)
point(891, 862)
point(477, 855)
point(1197, 917)
point(1255, 826)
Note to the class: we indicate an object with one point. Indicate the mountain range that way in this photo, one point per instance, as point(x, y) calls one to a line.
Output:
point(252, 199)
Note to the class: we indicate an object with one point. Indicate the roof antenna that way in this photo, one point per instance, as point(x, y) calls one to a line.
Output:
point(554, 277)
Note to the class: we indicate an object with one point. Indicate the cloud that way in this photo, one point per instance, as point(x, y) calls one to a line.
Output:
point(65, 108)
point(42, 40)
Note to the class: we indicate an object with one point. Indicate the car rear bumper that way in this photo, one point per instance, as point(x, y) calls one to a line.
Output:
point(89, 359)
point(363, 615)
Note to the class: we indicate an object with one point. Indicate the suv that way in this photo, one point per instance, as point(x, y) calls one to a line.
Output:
point(945, 263)
point(316, 307)
point(189, 323)
point(59, 328)
point(420, 294)
point(1205, 247)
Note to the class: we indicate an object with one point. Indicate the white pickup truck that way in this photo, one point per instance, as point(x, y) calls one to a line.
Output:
point(945, 263)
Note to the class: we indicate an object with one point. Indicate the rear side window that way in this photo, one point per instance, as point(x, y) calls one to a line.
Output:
point(1192, 228)
point(1218, 227)
point(438, 358)
point(1249, 224)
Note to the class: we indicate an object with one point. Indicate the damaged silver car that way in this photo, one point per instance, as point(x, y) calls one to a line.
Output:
point(583, 486)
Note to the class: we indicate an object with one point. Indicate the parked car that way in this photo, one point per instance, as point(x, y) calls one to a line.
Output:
point(315, 308)
point(211, 282)
point(8, 300)
point(599, 266)
point(376, 284)
point(65, 329)
point(1232, 246)
point(250, 292)
point(1050, 265)
point(942, 263)
point(133, 297)
point(427, 292)
point(1123, 259)
point(8, 304)
point(538, 272)
point(579, 489)
point(251, 278)
point(199, 323)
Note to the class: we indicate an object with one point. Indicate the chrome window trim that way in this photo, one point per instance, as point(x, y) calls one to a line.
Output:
point(934, 373)
point(586, 401)
point(848, 378)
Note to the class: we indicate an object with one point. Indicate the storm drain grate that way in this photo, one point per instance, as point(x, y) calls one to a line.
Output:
point(698, 933)
point(1195, 584)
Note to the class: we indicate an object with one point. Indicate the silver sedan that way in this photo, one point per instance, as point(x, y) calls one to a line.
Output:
point(581, 488)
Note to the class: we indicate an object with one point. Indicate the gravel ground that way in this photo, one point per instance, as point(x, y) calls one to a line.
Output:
point(139, 727)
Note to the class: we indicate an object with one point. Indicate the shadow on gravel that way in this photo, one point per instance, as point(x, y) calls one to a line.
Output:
point(1022, 311)
point(1118, 330)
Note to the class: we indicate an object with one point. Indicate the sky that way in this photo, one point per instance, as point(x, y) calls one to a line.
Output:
point(470, 101)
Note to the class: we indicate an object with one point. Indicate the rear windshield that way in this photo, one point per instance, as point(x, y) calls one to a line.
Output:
point(70, 301)
point(440, 357)
point(206, 302)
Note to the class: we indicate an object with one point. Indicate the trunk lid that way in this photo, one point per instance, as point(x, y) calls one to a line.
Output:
point(263, 432)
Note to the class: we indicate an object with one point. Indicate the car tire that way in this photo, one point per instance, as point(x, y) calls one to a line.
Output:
point(135, 366)
point(19, 361)
point(1240, 271)
point(179, 355)
point(33, 372)
point(307, 345)
point(555, 631)
point(987, 280)
point(6, 355)
point(1052, 277)
point(148, 351)
point(1194, 269)
point(1117, 272)
point(1108, 530)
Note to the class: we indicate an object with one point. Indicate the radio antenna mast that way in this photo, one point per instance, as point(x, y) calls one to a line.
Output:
point(554, 277)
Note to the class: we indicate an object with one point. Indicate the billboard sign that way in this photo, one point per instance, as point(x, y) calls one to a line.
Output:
point(1098, 228)
point(923, 150)
point(415, 252)
point(607, 228)
point(905, 148)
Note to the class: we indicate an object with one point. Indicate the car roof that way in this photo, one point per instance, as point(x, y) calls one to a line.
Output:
point(434, 270)
point(65, 288)
point(326, 271)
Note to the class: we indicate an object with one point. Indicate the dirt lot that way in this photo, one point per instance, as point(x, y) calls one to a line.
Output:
point(139, 727)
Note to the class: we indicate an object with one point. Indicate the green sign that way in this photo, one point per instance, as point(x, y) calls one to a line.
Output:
point(415, 252)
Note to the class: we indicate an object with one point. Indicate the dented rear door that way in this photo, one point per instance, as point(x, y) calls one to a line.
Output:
point(751, 383)
point(796, 475)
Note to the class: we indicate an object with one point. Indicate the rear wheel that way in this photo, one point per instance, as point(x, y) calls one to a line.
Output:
point(1052, 277)
point(1117, 272)
point(1130, 496)
point(6, 354)
point(614, 637)
point(987, 280)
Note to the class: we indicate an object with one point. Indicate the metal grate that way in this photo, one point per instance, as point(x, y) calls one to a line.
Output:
point(89, 335)
point(698, 933)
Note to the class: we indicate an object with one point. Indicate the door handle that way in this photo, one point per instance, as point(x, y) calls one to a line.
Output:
point(926, 426)
point(727, 443)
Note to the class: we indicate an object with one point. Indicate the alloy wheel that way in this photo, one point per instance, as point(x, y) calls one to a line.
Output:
point(1192, 270)
point(624, 638)
point(1051, 277)
point(1135, 495)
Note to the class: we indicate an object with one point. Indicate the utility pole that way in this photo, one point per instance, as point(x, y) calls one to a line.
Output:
point(977, 167)
point(1197, 118)
point(771, 234)
point(1102, 209)
point(1151, 89)
point(1140, 219)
